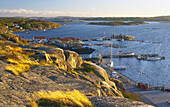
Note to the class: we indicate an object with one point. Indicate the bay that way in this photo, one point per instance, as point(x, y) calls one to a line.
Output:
point(158, 71)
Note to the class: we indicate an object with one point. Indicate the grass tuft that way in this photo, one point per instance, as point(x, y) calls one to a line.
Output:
point(60, 98)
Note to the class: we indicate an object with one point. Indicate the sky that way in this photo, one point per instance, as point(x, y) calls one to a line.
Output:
point(84, 8)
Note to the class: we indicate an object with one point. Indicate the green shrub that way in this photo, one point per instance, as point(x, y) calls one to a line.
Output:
point(88, 68)
point(131, 96)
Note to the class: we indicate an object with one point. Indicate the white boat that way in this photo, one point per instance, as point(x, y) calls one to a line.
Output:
point(114, 75)
point(119, 67)
point(153, 58)
point(139, 57)
point(110, 64)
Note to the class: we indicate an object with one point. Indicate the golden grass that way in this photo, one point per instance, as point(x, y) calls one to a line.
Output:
point(16, 69)
point(20, 65)
point(86, 61)
point(38, 45)
point(60, 98)
point(90, 94)
point(19, 60)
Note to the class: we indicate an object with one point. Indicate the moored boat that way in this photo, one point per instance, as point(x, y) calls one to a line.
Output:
point(119, 67)
point(153, 58)
point(114, 75)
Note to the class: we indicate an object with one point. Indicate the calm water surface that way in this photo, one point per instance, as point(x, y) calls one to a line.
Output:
point(158, 71)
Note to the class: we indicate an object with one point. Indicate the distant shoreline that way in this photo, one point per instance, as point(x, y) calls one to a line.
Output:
point(118, 23)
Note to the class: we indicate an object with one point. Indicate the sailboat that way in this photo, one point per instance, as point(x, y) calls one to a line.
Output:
point(118, 67)
point(154, 58)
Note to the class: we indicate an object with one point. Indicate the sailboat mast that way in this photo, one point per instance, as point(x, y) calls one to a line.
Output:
point(111, 54)
point(118, 57)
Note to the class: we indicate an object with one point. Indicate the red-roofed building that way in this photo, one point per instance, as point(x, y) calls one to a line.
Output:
point(40, 39)
point(63, 40)
point(72, 39)
point(22, 37)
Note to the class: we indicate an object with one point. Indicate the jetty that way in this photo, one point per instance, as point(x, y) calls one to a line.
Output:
point(128, 55)
point(104, 44)
point(157, 88)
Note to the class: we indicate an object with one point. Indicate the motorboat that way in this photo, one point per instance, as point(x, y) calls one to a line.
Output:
point(156, 58)
point(119, 67)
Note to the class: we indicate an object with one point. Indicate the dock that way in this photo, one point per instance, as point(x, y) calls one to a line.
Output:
point(157, 88)
point(104, 44)
point(128, 55)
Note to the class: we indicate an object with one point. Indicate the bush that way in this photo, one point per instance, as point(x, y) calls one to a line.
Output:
point(88, 68)
point(131, 96)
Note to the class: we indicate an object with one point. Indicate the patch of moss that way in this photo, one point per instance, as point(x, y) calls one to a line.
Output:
point(88, 68)
point(131, 96)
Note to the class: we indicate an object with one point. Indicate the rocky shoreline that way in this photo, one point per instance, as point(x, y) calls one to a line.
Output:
point(16, 89)
point(30, 68)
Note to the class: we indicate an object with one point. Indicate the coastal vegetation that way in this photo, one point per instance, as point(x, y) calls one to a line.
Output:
point(158, 18)
point(18, 59)
point(118, 23)
point(67, 21)
point(59, 98)
point(21, 24)
point(131, 96)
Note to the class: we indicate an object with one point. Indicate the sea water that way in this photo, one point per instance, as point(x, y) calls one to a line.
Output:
point(151, 72)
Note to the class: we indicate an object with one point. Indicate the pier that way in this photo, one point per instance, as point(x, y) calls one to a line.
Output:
point(104, 44)
point(128, 55)
point(157, 88)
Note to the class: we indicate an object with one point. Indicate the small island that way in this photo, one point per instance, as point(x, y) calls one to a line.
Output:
point(118, 23)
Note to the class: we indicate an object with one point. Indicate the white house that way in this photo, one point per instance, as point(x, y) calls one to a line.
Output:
point(88, 53)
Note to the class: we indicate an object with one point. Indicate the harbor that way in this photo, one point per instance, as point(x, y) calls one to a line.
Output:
point(154, 95)
point(146, 39)
point(128, 80)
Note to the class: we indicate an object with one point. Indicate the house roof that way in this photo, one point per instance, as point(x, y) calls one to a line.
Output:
point(84, 50)
point(63, 39)
point(72, 38)
point(22, 37)
point(39, 37)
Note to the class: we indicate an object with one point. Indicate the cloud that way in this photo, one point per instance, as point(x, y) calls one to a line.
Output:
point(25, 12)
point(45, 13)
point(92, 8)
